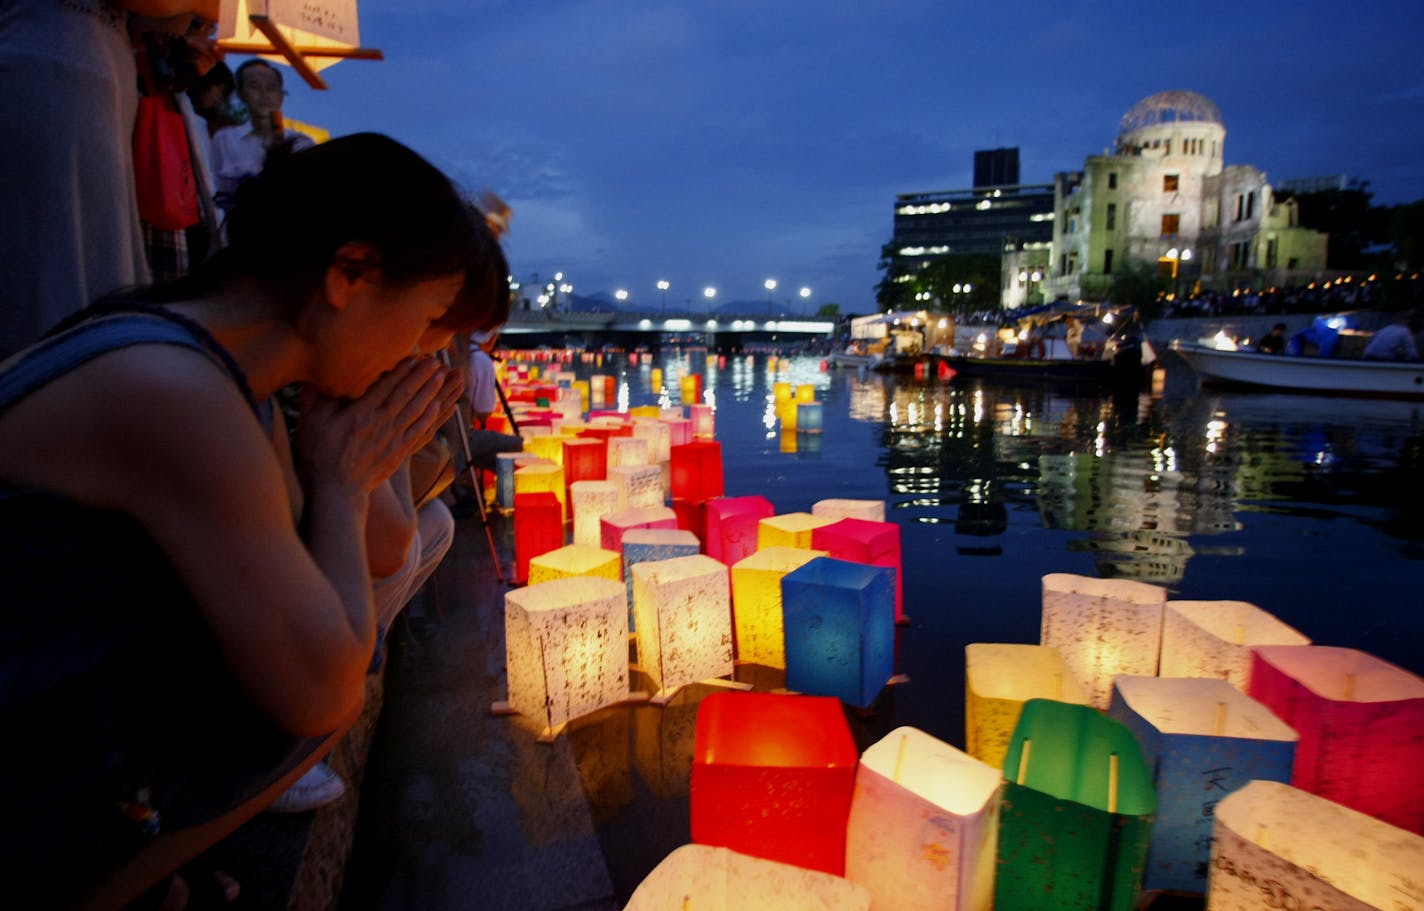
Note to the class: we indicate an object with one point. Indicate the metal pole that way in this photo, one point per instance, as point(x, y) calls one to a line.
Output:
point(476, 481)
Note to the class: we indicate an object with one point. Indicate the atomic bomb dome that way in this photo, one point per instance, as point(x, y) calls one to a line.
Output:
point(1170, 107)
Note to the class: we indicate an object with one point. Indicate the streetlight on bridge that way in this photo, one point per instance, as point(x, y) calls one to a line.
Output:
point(770, 286)
point(663, 287)
point(805, 299)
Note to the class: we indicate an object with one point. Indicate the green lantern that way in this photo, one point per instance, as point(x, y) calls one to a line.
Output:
point(1077, 812)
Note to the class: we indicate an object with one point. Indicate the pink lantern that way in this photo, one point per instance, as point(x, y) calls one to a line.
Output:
point(861, 541)
point(615, 524)
point(772, 776)
point(679, 430)
point(732, 526)
point(704, 423)
point(1359, 720)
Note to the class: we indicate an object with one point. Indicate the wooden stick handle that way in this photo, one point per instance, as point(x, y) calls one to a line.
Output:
point(1023, 761)
point(1112, 783)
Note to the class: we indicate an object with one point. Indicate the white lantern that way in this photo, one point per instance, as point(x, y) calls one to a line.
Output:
point(1103, 627)
point(575, 560)
point(923, 825)
point(1214, 639)
point(1275, 846)
point(657, 434)
point(684, 621)
point(566, 648)
point(630, 451)
point(707, 878)
point(869, 510)
point(591, 501)
point(289, 31)
point(639, 486)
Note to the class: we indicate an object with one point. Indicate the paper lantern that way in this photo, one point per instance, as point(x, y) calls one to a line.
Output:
point(870, 510)
point(697, 470)
point(860, 541)
point(590, 501)
point(1359, 720)
point(538, 529)
point(679, 430)
point(923, 827)
point(575, 560)
point(805, 392)
point(597, 389)
point(541, 477)
point(1276, 846)
point(772, 776)
point(1103, 627)
point(684, 621)
point(703, 878)
point(1214, 639)
point(648, 545)
point(786, 414)
point(614, 525)
point(639, 486)
point(550, 447)
point(839, 619)
point(645, 411)
point(584, 460)
point(756, 602)
point(731, 526)
point(631, 451)
point(566, 648)
point(692, 516)
point(998, 679)
point(781, 392)
point(792, 529)
point(658, 437)
point(1077, 812)
point(1201, 739)
point(286, 30)
point(504, 465)
point(809, 418)
point(690, 388)
point(704, 422)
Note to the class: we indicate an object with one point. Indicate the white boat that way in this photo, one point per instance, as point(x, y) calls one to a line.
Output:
point(1294, 373)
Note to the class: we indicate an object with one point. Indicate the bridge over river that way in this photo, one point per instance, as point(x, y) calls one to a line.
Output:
point(629, 330)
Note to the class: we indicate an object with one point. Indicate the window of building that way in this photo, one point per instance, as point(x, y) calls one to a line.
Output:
point(1240, 207)
point(1107, 262)
point(1292, 263)
point(1166, 147)
point(1170, 223)
point(1112, 180)
point(1111, 221)
point(1169, 183)
point(1271, 252)
point(1072, 262)
point(1250, 204)
point(1063, 264)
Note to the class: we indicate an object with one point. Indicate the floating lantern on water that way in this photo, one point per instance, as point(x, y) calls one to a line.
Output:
point(1214, 639)
point(657, 435)
point(649, 545)
point(596, 389)
point(691, 388)
point(629, 451)
point(809, 418)
point(679, 430)
point(923, 827)
point(1077, 812)
point(704, 422)
point(805, 392)
point(504, 465)
point(614, 525)
point(697, 471)
point(772, 777)
point(791, 529)
point(566, 648)
point(1359, 720)
point(1202, 739)
point(655, 378)
point(870, 510)
point(781, 391)
point(644, 411)
point(1276, 846)
point(860, 541)
point(731, 526)
point(546, 446)
point(590, 501)
point(538, 529)
point(703, 878)
point(639, 486)
point(999, 678)
point(575, 560)
point(584, 460)
point(1103, 627)
point(839, 620)
point(684, 612)
point(756, 602)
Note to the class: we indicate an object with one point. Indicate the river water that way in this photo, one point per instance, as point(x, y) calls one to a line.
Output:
point(1311, 508)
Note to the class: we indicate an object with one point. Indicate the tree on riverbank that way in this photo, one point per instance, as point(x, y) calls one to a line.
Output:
point(954, 282)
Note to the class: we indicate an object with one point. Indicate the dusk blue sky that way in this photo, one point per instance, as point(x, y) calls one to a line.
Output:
point(725, 142)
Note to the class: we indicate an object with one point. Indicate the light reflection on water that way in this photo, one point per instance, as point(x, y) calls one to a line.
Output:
point(1311, 508)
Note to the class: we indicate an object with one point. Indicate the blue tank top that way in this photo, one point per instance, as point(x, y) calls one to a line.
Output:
point(120, 716)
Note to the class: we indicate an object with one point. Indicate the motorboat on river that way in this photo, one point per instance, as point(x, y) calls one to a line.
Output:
point(1303, 373)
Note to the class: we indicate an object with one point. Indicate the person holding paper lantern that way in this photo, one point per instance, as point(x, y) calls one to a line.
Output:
point(180, 646)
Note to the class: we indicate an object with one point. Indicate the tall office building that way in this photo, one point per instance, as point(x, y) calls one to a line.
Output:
point(996, 167)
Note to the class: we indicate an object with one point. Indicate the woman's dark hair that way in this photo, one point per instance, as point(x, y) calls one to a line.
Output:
point(288, 223)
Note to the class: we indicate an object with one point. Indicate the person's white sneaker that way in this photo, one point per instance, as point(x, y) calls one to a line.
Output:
point(318, 787)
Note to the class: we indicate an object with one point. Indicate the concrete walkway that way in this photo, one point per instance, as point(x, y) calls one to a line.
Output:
point(461, 809)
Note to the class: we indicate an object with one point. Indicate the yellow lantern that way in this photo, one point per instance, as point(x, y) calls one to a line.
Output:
point(575, 560)
point(542, 477)
point(1103, 627)
point(999, 679)
point(756, 602)
point(792, 529)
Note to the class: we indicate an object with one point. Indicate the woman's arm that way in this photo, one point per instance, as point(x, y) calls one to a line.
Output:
point(390, 523)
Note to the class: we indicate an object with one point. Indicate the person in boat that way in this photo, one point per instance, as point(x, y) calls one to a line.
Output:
point(1073, 335)
point(1273, 342)
point(1394, 342)
point(188, 606)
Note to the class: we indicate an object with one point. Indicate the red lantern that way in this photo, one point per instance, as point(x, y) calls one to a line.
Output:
point(692, 516)
point(697, 470)
point(584, 460)
point(772, 776)
point(538, 529)
point(732, 526)
point(863, 541)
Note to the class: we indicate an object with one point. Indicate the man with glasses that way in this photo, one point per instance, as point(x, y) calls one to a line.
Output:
point(239, 151)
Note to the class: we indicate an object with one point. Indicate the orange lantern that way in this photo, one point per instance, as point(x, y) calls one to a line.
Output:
point(772, 776)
